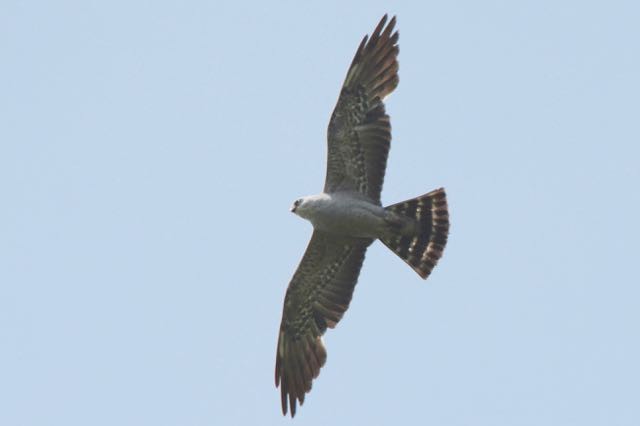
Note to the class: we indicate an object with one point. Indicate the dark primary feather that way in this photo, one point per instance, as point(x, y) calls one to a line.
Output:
point(318, 295)
point(359, 131)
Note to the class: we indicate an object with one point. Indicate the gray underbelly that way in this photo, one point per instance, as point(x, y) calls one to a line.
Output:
point(355, 220)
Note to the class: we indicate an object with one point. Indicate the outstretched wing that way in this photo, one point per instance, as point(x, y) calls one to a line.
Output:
point(318, 295)
point(359, 131)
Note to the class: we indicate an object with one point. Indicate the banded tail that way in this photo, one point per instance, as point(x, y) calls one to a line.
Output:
point(422, 248)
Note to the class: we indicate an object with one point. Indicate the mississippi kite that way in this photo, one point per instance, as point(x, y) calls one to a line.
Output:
point(348, 216)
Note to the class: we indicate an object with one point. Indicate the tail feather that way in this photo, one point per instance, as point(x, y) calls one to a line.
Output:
point(422, 246)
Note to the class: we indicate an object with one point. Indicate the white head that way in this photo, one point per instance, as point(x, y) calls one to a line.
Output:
point(304, 206)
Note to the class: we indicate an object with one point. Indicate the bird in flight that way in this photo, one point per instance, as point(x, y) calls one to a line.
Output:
point(348, 216)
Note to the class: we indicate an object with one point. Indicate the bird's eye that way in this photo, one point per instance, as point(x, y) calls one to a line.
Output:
point(297, 203)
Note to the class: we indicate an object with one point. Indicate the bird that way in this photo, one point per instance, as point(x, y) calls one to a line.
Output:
point(348, 216)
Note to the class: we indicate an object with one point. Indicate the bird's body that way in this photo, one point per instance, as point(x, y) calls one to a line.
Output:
point(343, 213)
point(348, 217)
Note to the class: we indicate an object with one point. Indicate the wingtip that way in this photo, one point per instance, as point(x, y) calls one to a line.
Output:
point(392, 23)
point(387, 26)
point(378, 30)
point(283, 401)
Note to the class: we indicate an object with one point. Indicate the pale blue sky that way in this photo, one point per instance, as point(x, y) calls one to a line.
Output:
point(149, 153)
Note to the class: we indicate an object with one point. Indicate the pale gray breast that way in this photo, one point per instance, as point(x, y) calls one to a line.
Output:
point(346, 215)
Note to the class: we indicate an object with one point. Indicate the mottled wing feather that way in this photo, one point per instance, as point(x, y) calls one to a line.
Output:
point(359, 132)
point(318, 296)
